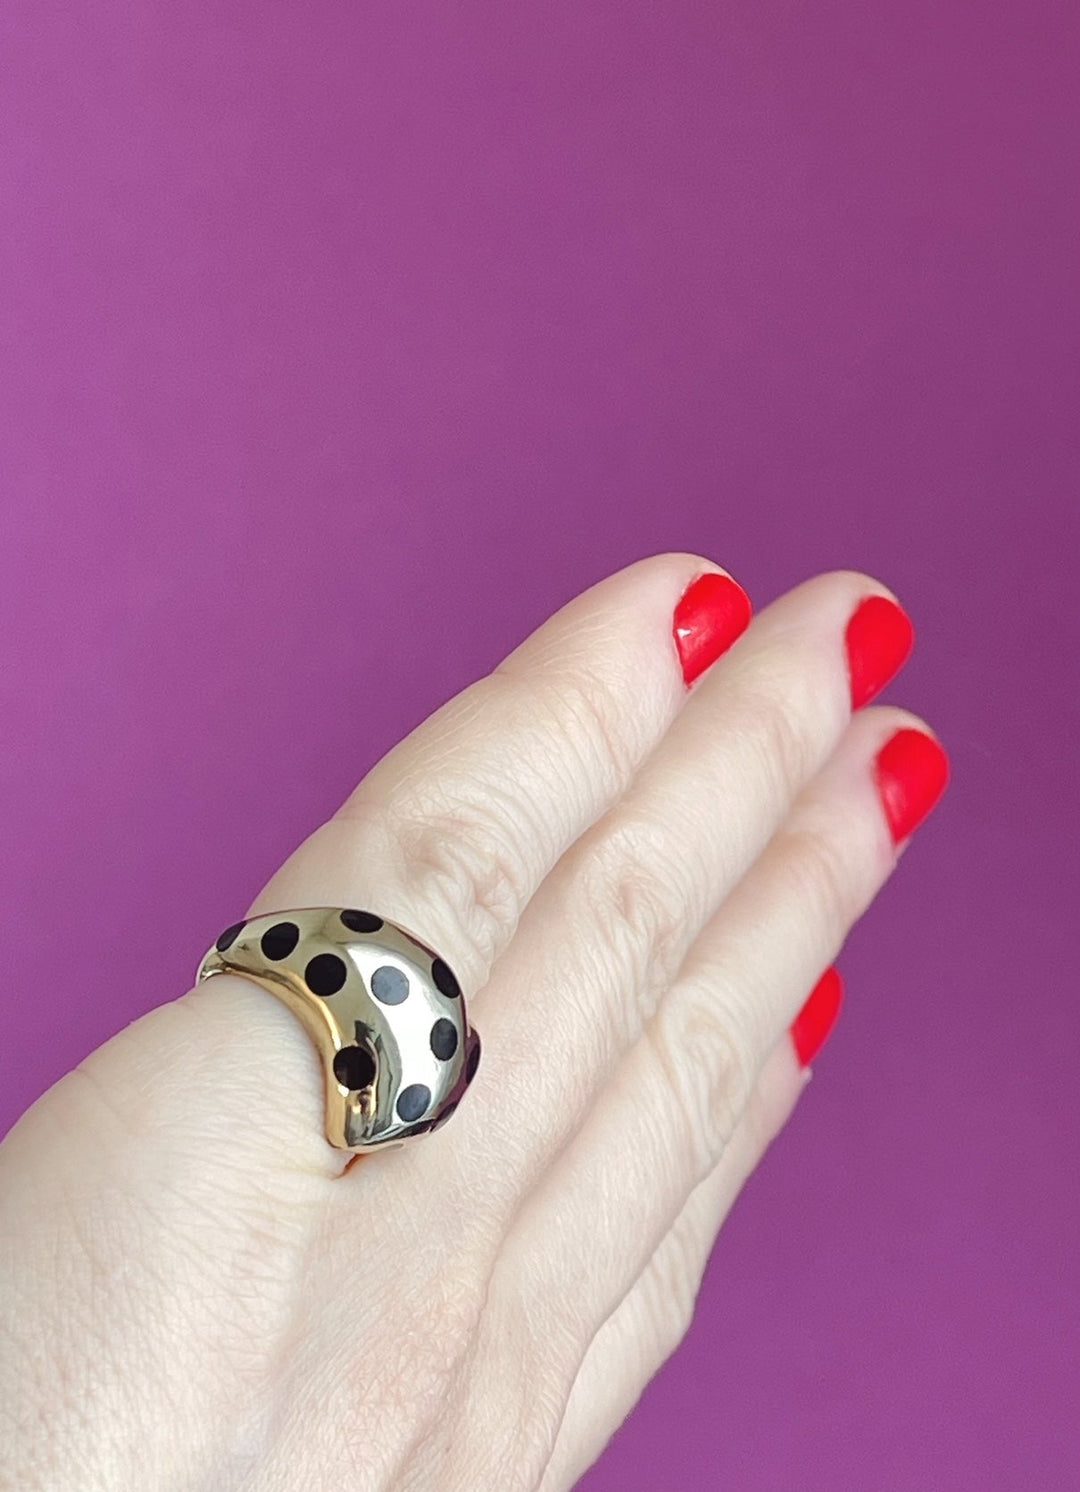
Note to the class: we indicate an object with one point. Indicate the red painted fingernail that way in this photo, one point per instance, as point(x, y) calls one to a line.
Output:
point(878, 638)
point(816, 1019)
point(911, 771)
point(711, 614)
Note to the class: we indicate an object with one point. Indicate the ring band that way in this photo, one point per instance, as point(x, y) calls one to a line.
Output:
point(385, 1012)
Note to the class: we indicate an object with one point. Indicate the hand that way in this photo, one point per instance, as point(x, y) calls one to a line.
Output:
point(638, 883)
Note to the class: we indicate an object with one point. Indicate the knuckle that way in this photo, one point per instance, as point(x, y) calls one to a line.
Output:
point(583, 706)
point(824, 884)
point(469, 858)
point(587, 712)
point(707, 1069)
point(475, 842)
point(457, 1299)
point(779, 715)
point(638, 915)
point(420, 1386)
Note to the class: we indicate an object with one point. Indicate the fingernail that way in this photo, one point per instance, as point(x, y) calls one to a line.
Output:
point(816, 1019)
point(878, 639)
point(911, 771)
point(713, 611)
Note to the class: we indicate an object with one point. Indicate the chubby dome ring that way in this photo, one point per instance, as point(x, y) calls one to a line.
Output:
point(385, 1012)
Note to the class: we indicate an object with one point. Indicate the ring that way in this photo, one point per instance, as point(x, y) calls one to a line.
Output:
point(385, 1012)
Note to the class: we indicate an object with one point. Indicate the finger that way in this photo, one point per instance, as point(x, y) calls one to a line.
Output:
point(586, 1232)
point(606, 933)
point(457, 825)
point(652, 1318)
point(448, 833)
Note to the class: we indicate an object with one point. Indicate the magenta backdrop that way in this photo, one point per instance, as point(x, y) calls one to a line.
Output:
point(342, 343)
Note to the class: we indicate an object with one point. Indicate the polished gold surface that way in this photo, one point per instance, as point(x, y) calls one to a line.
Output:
point(385, 1013)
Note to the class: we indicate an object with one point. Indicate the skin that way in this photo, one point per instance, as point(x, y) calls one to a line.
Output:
point(638, 886)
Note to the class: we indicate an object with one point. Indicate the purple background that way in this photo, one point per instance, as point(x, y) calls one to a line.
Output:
point(342, 343)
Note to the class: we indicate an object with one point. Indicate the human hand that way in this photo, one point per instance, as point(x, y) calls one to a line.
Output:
point(638, 883)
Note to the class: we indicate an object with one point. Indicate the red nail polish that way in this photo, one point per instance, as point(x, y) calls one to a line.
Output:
point(818, 1016)
point(911, 771)
point(711, 614)
point(878, 639)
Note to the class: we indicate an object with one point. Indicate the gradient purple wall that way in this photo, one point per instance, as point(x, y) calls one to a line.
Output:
point(342, 343)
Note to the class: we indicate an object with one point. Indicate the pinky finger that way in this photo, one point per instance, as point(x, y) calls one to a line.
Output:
point(652, 1318)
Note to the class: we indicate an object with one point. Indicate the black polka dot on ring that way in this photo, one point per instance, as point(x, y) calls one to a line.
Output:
point(444, 979)
point(354, 1067)
point(229, 936)
point(474, 1059)
point(413, 1100)
point(444, 1039)
point(389, 985)
point(278, 942)
point(362, 922)
point(325, 974)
